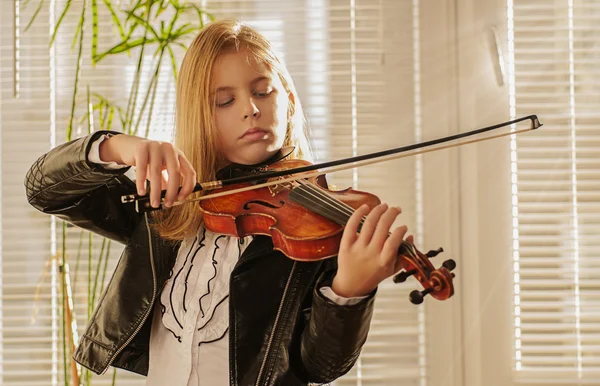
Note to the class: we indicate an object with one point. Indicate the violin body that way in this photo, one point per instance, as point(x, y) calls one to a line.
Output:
point(298, 232)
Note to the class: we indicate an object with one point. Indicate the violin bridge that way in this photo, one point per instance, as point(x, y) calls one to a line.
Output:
point(278, 188)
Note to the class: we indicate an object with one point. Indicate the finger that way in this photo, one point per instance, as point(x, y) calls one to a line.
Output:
point(189, 177)
point(382, 230)
point(370, 223)
point(172, 162)
point(389, 252)
point(164, 179)
point(410, 239)
point(350, 234)
point(141, 166)
point(156, 165)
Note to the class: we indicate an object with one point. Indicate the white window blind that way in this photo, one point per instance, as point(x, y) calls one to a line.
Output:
point(554, 61)
point(355, 64)
point(27, 348)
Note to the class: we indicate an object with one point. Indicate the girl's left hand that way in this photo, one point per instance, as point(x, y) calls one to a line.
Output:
point(367, 258)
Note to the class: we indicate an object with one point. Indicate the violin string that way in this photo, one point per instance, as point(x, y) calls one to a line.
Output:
point(346, 211)
point(318, 205)
point(340, 209)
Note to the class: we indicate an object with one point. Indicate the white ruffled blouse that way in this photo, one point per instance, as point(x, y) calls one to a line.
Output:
point(188, 341)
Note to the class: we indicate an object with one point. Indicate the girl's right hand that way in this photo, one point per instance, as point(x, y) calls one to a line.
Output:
point(151, 158)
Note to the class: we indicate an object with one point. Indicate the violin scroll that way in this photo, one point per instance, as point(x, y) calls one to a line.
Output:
point(437, 282)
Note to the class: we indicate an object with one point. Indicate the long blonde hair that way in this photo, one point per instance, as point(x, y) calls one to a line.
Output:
point(195, 131)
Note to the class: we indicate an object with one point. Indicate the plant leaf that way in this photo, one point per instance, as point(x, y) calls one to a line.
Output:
point(161, 8)
point(146, 25)
point(115, 18)
point(178, 30)
point(94, 31)
point(59, 22)
point(175, 3)
point(200, 13)
point(111, 114)
point(79, 28)
point(124, 46)
point(179, 33)
point(101, 115)
point(173, 62)
point(37, 11)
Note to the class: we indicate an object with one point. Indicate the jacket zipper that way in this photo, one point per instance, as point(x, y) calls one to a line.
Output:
point(139, 327)
point(277, 318)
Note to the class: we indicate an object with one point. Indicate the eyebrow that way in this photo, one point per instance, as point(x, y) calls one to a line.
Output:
point(253, 82)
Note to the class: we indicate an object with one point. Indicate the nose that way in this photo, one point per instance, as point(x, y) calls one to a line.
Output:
point(251, 110)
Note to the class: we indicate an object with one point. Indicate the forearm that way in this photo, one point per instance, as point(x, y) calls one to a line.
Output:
point(64, 174)
point(335, 334)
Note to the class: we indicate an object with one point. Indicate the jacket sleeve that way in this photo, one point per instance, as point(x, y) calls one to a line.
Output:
point(64, 183)
point(335, 334)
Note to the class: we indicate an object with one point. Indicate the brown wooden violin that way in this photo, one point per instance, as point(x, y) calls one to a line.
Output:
point(289, 201)
point(306, 221)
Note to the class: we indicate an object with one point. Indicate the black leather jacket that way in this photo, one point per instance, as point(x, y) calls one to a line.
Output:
point(283, 331)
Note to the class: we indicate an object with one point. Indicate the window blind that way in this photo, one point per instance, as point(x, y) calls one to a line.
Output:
point(27, 346)
point(355, 64)
point(553, 67)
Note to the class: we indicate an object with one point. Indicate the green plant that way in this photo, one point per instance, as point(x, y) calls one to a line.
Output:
point(158, 25)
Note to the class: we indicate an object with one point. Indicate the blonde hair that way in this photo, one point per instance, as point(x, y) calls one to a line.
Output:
point(195, 131)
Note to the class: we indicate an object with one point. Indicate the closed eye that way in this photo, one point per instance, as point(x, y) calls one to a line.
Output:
point(225, 104)
point(264, 94)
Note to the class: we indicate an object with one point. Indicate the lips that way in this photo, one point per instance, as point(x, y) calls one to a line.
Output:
point(254, 133)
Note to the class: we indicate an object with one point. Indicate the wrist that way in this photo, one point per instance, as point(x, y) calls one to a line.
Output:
point(107, 151)
point(346, 289)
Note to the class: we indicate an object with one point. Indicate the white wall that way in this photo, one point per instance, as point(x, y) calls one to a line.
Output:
point(467, 192)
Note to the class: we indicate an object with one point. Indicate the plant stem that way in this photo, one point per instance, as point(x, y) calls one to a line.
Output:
point(77, 71)
point(63, 285)
point(105, 266)
point(77, 260)
point(151, 90)
point(98, 272)
point(136, 82)
point(153, 98)
point(89, 313)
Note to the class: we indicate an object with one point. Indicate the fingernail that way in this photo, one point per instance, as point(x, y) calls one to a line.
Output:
point(155, 203)
point(141, 192)
point(168, 204)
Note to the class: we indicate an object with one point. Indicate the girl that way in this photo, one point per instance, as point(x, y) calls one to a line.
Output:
point(186, 306)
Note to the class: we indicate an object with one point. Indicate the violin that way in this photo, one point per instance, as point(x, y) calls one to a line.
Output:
point(323, 213)
point(265, 200)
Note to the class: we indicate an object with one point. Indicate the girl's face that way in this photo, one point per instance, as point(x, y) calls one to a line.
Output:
point(251, 109)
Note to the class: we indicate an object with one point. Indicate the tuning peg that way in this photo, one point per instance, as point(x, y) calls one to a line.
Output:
point(434, 252)
point(402, 276)
point(416, 297)
point(449, 264)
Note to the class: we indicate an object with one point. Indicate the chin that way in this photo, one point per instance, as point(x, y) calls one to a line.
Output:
point(252, 155)
point(256, 152)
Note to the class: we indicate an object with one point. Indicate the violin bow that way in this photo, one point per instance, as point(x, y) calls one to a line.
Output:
point(142, 203)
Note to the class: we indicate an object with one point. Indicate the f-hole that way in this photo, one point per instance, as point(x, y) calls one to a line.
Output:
point(263, 203)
